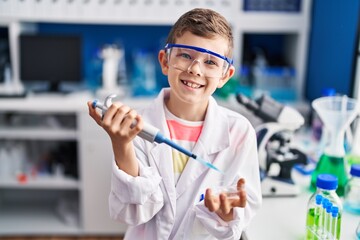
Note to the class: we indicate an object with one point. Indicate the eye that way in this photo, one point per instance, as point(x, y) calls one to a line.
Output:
point(211, 62)
point(184, 55)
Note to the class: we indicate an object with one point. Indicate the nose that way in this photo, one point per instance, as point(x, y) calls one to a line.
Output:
point(195, 68)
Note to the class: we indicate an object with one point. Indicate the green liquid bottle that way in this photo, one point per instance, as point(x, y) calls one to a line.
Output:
point(318, 223)
point(331, 165)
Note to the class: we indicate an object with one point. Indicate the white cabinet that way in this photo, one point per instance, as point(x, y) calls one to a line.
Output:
point(55, 133)
point(293, 26)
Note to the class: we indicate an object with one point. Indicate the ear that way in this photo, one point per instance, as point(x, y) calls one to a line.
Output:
point(163, 60)
point(229, 74)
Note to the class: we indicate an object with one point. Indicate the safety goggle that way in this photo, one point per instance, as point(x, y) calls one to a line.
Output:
point(184, 57)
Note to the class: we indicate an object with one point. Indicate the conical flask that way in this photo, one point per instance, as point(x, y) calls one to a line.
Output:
point(336, 112)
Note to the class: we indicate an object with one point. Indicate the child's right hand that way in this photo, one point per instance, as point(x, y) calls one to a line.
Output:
point(118, 123)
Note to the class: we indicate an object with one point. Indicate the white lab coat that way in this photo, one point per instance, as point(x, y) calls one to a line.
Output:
point(155, 209)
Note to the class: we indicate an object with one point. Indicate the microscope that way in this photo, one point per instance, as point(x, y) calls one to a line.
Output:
point(276, 124)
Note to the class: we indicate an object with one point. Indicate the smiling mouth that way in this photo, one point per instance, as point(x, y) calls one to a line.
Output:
point(191, 84)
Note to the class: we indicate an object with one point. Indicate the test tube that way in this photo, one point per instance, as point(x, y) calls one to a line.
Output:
point(317, 214)
point(323, 216)
point(334, 216)
point(328, 219)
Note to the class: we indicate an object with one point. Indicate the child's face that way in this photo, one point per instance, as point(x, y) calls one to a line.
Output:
point(191, 84)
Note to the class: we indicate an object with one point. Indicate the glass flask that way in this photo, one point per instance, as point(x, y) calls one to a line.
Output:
point(336, 112)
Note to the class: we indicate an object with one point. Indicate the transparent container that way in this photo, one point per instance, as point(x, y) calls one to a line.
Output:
point(336, 112)
point(324, 210)
point(231, 192)
point(352, 191)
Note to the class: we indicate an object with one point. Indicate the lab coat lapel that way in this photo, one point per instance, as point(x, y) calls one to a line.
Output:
point(214, 138)
point(161, 154)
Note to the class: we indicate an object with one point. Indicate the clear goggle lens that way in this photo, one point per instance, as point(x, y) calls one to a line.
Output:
point(183, 57)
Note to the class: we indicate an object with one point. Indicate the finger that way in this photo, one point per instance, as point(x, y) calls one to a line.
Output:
point(241, 183)
point(209, 203)
point(224, 204)
point(117, 122)
point(130, 122)
point(242, 193)
point(243, 198)
point(93, 113)
point(110, 114)
point(139, 124)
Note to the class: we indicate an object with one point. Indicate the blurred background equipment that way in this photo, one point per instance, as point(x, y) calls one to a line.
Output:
point(47, 61)
point(113, 58)
point(274, 134)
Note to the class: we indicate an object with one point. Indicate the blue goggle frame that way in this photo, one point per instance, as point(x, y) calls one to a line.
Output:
point(199, 49)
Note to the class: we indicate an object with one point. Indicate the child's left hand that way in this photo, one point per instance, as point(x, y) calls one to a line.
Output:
point(222, 205)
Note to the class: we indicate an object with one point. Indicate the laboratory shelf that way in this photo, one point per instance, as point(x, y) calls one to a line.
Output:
point(38, 134)
point(42, 182)
point(269, 22)
point(33, 219)
point(24, 133)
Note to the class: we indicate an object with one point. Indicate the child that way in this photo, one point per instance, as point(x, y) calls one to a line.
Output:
point(155, 189)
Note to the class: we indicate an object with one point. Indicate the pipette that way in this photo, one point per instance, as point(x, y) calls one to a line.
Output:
point(152, 134)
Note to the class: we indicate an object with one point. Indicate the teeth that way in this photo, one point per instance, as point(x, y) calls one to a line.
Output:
point(192, 85)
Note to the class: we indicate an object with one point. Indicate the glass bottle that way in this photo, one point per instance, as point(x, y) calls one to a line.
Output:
point(333, 165)
point(316, 227)
point(352, 191)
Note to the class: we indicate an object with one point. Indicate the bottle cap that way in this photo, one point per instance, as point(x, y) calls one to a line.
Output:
point(328, 92)
point(327, 181)
point(324, 202)
point(328, 207)
point(334, 211)
point(318, 199)
point(355, 170)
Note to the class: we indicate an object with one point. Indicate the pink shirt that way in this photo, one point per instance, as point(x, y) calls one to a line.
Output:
point(185, 133)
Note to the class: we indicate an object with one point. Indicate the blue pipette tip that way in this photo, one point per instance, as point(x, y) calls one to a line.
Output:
point(159, 138)
point(209, 165)
point(213, 167)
